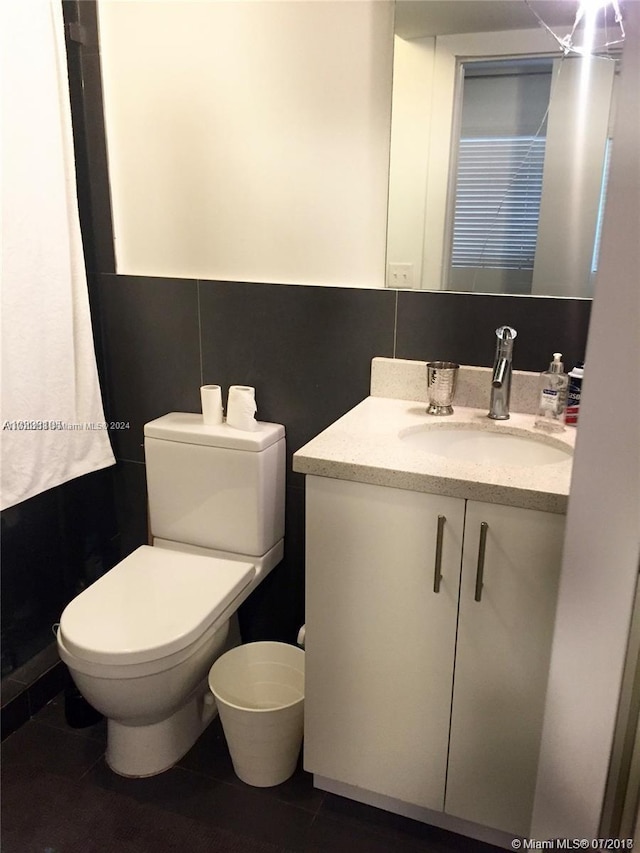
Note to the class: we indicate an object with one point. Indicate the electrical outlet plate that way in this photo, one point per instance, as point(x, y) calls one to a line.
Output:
point(400, 276)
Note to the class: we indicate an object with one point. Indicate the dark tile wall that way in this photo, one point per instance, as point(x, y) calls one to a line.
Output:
point(53, 545)
point(460, 327)
point(307, 351)
point(28, 688)
point(151, 347)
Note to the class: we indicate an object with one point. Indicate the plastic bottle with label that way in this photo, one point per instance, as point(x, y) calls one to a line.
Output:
point(553, 396)
point(574, 393)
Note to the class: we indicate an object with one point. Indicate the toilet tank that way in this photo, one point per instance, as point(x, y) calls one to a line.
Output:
point(215, 486)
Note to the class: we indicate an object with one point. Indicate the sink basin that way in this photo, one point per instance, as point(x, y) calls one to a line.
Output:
point(486, 446)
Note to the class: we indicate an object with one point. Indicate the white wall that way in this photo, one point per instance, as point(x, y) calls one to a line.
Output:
point(410, 132)
point(249, 140)
point(602, 547)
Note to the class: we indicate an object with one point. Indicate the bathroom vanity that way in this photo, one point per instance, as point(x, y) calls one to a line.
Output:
point(432, 567)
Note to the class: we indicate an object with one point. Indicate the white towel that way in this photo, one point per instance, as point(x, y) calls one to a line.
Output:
point(52, 420)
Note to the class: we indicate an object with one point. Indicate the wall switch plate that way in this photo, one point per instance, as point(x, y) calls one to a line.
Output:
point(400, 276)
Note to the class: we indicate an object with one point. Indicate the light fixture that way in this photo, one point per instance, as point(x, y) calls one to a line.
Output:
point(591, 16)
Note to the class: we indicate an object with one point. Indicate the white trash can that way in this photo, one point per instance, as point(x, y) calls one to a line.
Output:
point(259, 691)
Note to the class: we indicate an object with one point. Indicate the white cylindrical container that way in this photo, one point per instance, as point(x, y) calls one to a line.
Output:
point(259, 691)
point(241, 407)
point(211, 397)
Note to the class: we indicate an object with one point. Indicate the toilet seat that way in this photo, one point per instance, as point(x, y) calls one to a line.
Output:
point(153, 604)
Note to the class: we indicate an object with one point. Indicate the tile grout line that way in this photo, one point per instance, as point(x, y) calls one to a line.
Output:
point(199, 331)
point(99, 759)
point(395, 324)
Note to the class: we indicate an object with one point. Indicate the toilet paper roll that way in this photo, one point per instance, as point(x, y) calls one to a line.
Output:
point(241, 407)
point(211, 397)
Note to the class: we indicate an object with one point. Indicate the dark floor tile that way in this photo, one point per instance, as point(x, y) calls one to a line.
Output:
point(15, 713)
point(76, 817)
point(210, 801)
point(298, 790)
point(400, 831)
point(59, 795)
point(327, 834)
point(53, 714)
point(35, 808)
point(252, 812)
point(36, 747)
point(210, 756)
point(174, 789)
point(10, 690)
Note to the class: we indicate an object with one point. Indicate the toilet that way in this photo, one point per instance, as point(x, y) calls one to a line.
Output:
point(140, 641)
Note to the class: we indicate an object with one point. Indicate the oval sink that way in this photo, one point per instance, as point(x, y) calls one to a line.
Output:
point(485, 446)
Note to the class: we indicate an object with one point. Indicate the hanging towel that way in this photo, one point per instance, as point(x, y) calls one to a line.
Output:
point(52, 420)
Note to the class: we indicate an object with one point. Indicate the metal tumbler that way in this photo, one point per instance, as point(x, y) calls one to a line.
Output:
point(441, 386)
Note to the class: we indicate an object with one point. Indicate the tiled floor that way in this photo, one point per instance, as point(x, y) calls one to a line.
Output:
point(58, 796)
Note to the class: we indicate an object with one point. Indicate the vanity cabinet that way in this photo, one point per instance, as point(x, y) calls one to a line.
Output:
point(380, 643)
point(424, 682)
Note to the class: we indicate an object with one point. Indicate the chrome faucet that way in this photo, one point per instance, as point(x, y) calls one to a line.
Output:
point(501, 379)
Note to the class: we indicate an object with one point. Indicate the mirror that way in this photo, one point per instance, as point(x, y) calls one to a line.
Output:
point(252, 157)
point(499, 150)
point(248, 141)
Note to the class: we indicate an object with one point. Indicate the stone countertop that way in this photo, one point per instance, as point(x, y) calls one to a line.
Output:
point(364, 446)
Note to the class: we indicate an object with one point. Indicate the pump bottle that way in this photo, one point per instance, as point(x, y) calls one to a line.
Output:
point(552, 403)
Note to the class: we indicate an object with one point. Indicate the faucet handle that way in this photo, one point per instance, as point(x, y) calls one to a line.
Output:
point(505, 333)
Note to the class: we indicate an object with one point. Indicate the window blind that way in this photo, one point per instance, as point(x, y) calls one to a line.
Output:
point(499, 184)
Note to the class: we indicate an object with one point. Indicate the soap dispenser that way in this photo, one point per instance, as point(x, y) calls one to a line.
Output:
point(552, 401)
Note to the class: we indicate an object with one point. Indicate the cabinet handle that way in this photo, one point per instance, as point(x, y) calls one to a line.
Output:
point(437, 574)
point(480, 570)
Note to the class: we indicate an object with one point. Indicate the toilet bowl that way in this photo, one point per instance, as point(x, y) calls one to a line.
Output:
point(140, 641)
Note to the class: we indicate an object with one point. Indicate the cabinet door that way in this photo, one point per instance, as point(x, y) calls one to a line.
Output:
point(502, 663)
point(379, 641)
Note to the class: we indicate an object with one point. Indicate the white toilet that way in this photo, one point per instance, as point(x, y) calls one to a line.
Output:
point(140, 641)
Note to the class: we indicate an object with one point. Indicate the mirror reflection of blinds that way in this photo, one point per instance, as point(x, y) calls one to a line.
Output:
point(499, 185)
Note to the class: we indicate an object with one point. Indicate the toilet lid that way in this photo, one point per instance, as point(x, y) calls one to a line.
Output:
point(152, 604)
